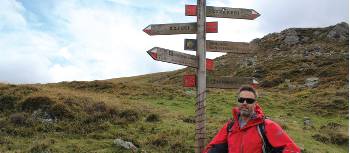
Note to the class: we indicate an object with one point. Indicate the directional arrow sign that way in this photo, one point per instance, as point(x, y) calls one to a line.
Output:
point(230, 82)
point(221, 46)
point(178, 28)
point(170, 56)
point(224, 12)
point(221, 82)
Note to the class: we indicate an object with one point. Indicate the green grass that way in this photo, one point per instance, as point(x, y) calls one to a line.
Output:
point(173, 131)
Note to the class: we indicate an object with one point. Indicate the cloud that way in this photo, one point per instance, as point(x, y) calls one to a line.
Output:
point(10, 15)
point(279, 15)
point(80, 40)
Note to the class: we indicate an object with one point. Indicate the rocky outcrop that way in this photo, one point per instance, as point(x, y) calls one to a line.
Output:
point(339, 32)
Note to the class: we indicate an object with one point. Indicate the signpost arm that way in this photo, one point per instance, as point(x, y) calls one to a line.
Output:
point(201, 77)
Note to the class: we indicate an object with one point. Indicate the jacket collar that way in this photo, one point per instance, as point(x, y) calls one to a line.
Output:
point(256, 119)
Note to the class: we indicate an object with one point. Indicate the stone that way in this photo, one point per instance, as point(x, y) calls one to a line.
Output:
point(307, 121)
point(289, 84)
point(291, 37)
point(43, 116)
point(125, 144)
point(276, 48)
point(312, 82)
point(316, 33)
point(305, 39)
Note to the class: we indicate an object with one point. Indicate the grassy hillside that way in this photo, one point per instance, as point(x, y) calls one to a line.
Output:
point(157, 115)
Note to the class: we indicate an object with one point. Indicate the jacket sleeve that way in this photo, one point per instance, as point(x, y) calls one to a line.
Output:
point(279, 138)
point(219, 139)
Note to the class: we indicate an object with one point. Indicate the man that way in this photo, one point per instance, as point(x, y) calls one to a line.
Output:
point(241, 135)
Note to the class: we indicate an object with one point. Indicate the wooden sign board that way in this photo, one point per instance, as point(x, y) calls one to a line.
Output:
point(222, 46)
point(224, 12)
point(221, 82)
point(175, 57)
point(229, 82)
point(178, 28)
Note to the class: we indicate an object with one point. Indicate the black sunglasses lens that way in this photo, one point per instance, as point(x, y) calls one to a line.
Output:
point(248, 100)
point(241, 100)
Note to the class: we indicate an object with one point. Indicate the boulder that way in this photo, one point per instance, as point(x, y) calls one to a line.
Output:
point(312, 82)
point(125, 144)
point(291, 37)
point(339, 32)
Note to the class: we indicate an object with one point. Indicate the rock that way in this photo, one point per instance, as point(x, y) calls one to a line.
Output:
point(291, 37)
point(289, 84)
point(307, 121)
point(308, 124)
point(316, 33)
point(339, 32)
point(43, 116)
point(125, 144)
point(312, 82)
point(305, 39)
point(276, 48)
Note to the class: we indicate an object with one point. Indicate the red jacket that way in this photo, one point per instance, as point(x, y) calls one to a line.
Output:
point(248, 140)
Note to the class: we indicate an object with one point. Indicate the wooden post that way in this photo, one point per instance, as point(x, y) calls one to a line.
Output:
point(201, 77)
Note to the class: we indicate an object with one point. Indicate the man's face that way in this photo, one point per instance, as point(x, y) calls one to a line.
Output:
point(246, 109)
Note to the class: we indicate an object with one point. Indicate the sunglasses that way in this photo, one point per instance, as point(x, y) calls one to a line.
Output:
point(248, 100)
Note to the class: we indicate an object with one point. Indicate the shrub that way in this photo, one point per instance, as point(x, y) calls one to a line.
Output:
point(179, 147)
point(18, 118)
point(321, 138)
point(61, 111)
point(96, 108)
point(129, 115)
point(153, 118)
point(189, 119)
point(42, 147)
point(35, 103)
point(8, 102)
point(339, 138)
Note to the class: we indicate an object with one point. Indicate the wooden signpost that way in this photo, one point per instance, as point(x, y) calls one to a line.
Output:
point(222, 46)
point(178, 28)
point(170, 56)
point(201, 45)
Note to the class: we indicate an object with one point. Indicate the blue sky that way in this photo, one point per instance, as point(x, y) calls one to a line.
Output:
point(63, 40)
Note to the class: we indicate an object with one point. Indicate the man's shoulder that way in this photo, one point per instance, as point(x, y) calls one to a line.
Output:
point(271, 124)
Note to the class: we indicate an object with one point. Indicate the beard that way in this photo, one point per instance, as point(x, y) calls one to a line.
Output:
point(246, 112)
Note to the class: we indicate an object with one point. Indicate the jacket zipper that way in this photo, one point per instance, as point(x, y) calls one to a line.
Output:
point(242, 141)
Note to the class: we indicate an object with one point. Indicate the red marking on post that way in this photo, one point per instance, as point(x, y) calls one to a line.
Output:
point(148, 30)
point(254, 15)
point(154, 55)
point(255, 84)
point(190, 10)
point(210, 64)
point(189, 80)
point(212, 27)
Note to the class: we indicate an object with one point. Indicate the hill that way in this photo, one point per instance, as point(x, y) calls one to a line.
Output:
point(303, 75)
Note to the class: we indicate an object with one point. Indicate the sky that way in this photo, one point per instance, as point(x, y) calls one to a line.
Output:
point(45, 41)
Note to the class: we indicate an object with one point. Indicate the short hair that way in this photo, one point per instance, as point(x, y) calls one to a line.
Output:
point(248, 88)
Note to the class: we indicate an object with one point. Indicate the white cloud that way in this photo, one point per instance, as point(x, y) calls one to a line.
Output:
point(10, 15)
point(105, 40)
